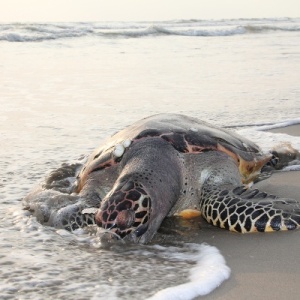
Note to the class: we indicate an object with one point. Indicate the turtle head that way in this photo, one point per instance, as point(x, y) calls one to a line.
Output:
point(128, 213)
point(251, 169)
point(146, 190)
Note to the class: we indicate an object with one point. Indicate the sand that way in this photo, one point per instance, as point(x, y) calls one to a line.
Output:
point(293, 130)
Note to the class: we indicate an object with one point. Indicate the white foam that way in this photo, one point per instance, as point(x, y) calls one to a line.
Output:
point(206, 31)
point(210, 271)
point(269, 140)
point(278, 125)
point(262, 28)
point(206, 28)
point(23, 220)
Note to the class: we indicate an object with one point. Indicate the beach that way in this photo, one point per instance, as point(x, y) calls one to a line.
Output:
point(66, 87)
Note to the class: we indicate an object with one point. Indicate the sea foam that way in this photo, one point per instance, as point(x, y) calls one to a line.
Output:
point(210, 271)
point(279, 124)
point(269, 140)
point(273, 141)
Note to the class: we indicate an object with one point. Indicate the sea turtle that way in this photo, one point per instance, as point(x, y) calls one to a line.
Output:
point(163, 165)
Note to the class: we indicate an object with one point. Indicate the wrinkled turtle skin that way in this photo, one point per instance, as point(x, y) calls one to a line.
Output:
point(163, 165)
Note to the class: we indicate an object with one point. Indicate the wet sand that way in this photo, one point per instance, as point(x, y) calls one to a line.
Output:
point(293, 130)
point(264, 265)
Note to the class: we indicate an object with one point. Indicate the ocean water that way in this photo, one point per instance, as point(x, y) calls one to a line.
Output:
point(66, 86)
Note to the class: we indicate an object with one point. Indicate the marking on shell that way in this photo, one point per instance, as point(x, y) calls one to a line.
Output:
point(89, 210)
point(127, 143)
point(119, 150)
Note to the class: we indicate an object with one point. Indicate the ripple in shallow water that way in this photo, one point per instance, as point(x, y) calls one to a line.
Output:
point(57, 263)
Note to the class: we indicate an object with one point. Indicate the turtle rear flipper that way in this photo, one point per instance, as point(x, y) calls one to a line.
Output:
point(73, 217)
point(243, 210)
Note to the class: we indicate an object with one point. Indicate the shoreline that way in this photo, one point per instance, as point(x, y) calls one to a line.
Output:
point(293, 130)
point(283, 184)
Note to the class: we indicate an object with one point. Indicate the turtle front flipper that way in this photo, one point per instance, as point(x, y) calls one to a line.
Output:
point(244, 210)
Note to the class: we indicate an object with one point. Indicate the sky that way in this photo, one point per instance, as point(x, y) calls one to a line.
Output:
point(142, 10)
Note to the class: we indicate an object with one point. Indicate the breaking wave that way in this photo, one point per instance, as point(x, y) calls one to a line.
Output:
point(35, 32)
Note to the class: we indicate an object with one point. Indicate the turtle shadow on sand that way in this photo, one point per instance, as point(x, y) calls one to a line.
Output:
point(166, 165)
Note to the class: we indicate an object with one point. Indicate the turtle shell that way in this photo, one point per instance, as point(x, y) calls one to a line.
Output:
point(186, 135)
